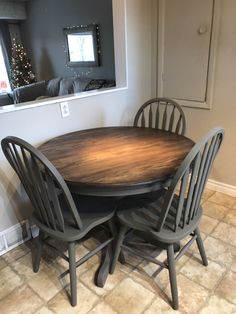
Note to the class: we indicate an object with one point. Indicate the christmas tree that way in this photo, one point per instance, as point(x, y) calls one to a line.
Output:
point(21, 69)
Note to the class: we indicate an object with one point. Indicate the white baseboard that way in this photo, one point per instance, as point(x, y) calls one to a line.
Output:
point(14, 236)
point(221, 187)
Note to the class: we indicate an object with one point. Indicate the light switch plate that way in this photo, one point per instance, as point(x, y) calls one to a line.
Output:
point(65, 112)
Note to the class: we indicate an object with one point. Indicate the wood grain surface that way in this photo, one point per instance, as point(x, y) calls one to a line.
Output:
point(116, 160)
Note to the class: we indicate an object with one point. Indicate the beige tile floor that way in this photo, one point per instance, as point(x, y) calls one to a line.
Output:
point(135, 287)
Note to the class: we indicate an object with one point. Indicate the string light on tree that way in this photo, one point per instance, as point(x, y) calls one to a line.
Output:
point(21, 69)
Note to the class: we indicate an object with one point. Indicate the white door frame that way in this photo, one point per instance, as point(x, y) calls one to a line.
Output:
point(207, 104)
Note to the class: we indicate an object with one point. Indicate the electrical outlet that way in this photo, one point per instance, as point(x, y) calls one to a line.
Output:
point(65, 112)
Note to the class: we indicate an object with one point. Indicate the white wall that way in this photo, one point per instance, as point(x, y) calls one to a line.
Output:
point(223, 112)
point(36, 125)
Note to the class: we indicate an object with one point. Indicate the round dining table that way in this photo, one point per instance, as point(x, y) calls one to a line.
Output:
point(116, 162)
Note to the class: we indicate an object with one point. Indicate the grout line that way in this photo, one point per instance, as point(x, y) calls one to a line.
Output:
point(221, 204)
point(224, 242)
point(149, 305)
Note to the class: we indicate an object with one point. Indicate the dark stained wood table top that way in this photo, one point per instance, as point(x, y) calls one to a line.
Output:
point(115, 161)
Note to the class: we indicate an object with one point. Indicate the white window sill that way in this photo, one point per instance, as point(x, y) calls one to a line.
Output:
point(56, 100)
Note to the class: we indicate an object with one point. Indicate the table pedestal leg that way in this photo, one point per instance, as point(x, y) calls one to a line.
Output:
point(103, 270)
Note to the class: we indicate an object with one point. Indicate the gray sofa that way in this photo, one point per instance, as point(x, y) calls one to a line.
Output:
point(58, 87)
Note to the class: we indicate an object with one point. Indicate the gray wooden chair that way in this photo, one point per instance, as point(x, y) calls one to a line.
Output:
point(54, 209)
point(176, 214)
point(162, 114)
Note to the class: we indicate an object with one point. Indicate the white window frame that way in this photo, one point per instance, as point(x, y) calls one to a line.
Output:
point(5, 76)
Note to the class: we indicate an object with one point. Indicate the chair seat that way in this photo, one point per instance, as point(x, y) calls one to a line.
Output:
point(142, 213)
point(93, 212)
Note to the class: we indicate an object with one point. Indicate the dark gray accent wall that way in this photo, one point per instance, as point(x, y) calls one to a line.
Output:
point(43, 38)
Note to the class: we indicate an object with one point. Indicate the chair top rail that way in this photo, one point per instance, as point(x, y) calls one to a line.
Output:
point(167, 121)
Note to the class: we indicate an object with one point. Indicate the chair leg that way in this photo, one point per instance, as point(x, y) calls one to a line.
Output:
point(201, 247)
point(36, 261)
point(72, 269)
point(119, 242)
point(172, 275)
